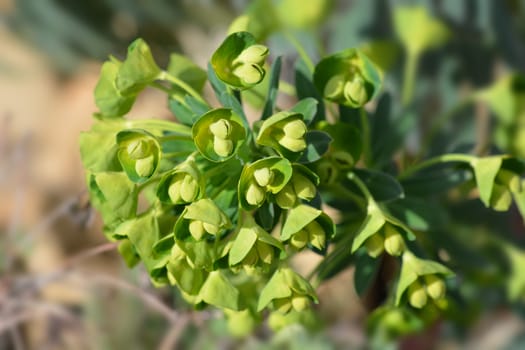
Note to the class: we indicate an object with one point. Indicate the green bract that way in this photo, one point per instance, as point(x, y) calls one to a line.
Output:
point(200, 219)
point(139, 154)
point(307, 225)
point(108, 98)
point(284, 132)
point(184, 184)
point(348, 78)
point(218, 134)
point(239, 60)
point(264, 176)
point(301, 186)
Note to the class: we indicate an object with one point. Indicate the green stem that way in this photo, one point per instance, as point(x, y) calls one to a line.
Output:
point(365, 128)
point(161, 124)
point(362, 187)
point(169, 92)
point(409, 76)
point(452, 157)
point(183, 85)
point(300, 50)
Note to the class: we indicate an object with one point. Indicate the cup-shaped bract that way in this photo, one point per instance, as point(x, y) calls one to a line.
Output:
point(302, 185)
point(239, 60)
point(284, 132)
point(138, 69)
point(348, 77)
point(109, 100)
point(252, 246)
point(139, 154)
point(286, 290)
point(184, 184)
point(218, 134)
point(268, 175)
point(201, 219)
point(307, 224)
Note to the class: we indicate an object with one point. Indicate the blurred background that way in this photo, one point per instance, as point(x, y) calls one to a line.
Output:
point(62, 286)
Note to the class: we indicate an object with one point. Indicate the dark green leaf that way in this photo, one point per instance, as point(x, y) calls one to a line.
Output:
point(382, 186)
point(366, 269)
point(273, 89)
point(318, 143)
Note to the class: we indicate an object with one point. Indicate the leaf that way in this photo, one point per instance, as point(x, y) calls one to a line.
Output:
point(307, 107)
point(273, 89)
point(276, 288)
point(365, 271)
point(420, 214)
point(128, 252)
point(382, 186)
point(437, 180)
point(318, 143)
point(98, 147)
point(188, 278)
point(242, 244)
point(305, 88)
point(218, 86)
point(108, 98)
point(345, 137)
point(183, 68)
point(217, 290)
point(373, 222)
point(298, 217)
point(485, 171)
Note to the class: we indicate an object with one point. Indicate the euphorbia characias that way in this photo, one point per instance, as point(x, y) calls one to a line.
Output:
point(226, 202)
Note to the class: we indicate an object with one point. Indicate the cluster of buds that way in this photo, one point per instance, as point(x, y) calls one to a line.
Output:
point(292, 136)
point(426, 286)
point(248, 65)
point(221, 130)
point(312, 233)
point(257, 188)
point(139, 154)
point(388, 239)
point(299, 187)
point(183, 187)
point(347, 87)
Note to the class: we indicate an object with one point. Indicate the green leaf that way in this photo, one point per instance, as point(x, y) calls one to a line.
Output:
point(207, 142)
point(307, 107)
point(485, 171)
point(382, 186)
point(242, 244)
point(188, 279)
point(218, 291)
point(189, 111)
point(436, 180)
point(128, 252)
point(372, 223)
point(98, 147)
point(108, 98)
point(294, 13)
point(138, 70)
point(431, 32)
point(345, 138)
point(366, 269)
point(305, 88)
point(297, 218)
point(318, 143)
point(420, 214)
point(273, 88)
point(276, 288)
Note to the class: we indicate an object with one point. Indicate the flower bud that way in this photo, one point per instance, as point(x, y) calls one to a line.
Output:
point(210, 228)
point(255, 194)
point(221, 128)
point(174, 190)
point(334, 87)
point(300, 239)
point(222, 147)
point(509, 179)
point(145, 166)
point(263, 176)
point(355, 91)
point(265, 252)
point(394, 242)
point(282, 305)
point(295, 129)
point(300, 302)
point(255, 54)
point(286, 198)
point(501, 198)
point(294, 145)
point(375, 245)
point(138, 149)
point(436, 288)
point(189, 189)
point(417, 296)
point(316, 234)
point(250, 74)
point(197, 229)
point(303, 187)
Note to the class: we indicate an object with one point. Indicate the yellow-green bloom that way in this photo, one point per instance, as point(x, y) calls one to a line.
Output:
point(417, 296)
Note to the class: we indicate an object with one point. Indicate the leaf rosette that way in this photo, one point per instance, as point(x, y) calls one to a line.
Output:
point(239, 60)
point(349, 78)
point(218, 134)
point(139, 154)
point(268, 175)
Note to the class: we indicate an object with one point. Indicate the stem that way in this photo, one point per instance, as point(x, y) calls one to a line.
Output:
point(183, 85)
point(365, 128)
point(300, 50)
point(409, 76)
point(452, 157)
point(287, 88)
point(362, 187)
point(162, 124)
point(162, 88)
